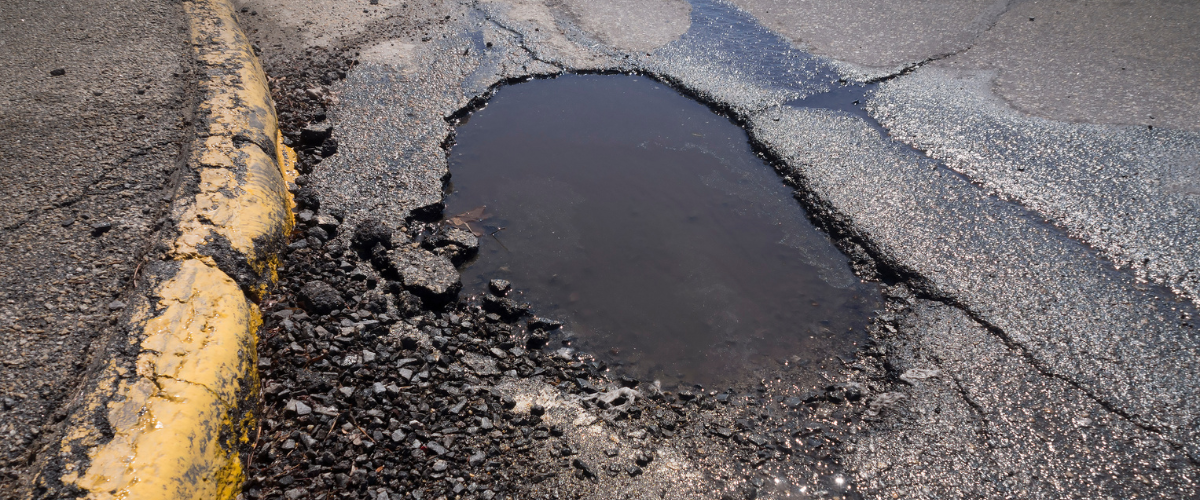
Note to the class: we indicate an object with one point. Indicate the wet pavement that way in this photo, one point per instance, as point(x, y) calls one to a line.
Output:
point(1037, 339)
point(647, 225)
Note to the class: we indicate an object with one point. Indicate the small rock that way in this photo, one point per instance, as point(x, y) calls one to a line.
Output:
point(835, 393)
point(537, 340)
point(320, 298)
point(854, 392)
point(116, 305)
point(584, 468)
point(585, 385)
point(633, 471)
point(329, 223)
point(58, 72)
point(329, 147)
point(455, 243)
point(315, 133)
point(440, 466)
point(508, 309)
point(435, 447)
point(369, 233)
point(500, 287)
point(477, 458)
point(539, 323)
point(318, 233)
point(643, 458)
point(306, 197)
point(298, 407)
point(101, 228)
point(431, 277)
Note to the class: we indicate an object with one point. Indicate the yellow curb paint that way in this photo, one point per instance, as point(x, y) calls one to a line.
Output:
point(178, 416)
point(245, 203)
point(245, 168)
point(197, 360)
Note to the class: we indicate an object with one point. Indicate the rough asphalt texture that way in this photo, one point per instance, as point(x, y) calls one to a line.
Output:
point(381, 397)
point(1013, 361)
point(1096, 62)
point(92, 110)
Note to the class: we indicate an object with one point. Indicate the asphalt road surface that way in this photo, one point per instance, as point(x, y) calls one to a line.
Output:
point(94, 105)
point(1034, 196)
point(1022, 177)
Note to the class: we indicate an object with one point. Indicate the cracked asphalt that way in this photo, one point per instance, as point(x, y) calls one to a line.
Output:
point(1020, 177)
point(95, 98)
point(1030, 203)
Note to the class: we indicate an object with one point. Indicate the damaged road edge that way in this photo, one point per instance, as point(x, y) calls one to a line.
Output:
point(168, 399)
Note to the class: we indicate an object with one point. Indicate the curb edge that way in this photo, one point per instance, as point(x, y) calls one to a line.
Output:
point(165, 408)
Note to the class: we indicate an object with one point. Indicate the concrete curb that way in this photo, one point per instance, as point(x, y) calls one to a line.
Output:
point(169, 401)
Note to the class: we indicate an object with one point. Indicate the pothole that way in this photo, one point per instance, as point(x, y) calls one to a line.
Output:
point(647, 225)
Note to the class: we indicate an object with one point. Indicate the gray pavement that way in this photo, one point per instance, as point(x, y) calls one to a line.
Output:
point(1037, 302)
point(1062, 373)
point(1062, 144)
point(879, 36)
point(1129, 191)
point(85, 159)
point(1096, 62)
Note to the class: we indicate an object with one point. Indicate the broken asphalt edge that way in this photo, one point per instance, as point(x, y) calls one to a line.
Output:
point(170, 396)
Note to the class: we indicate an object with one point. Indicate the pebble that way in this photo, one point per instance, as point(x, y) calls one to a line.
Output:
point(299, 408)
point(499, 287)
point(100, 228)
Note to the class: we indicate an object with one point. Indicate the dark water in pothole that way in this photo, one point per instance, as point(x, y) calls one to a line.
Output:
point(647, 225)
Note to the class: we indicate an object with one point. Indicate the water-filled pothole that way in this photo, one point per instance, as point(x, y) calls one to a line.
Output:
point(647, 225)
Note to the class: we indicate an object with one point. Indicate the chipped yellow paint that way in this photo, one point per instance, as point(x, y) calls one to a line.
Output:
point(84, 434)
point(168, 420)
point(178, 416)
point(244, 166)
point(287, 161)
point(244, 207)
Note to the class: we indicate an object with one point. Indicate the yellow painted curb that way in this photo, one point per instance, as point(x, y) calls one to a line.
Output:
point(174, 420)
point(171, 421)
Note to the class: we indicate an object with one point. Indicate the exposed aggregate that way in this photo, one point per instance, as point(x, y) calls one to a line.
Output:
point(367, 390)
